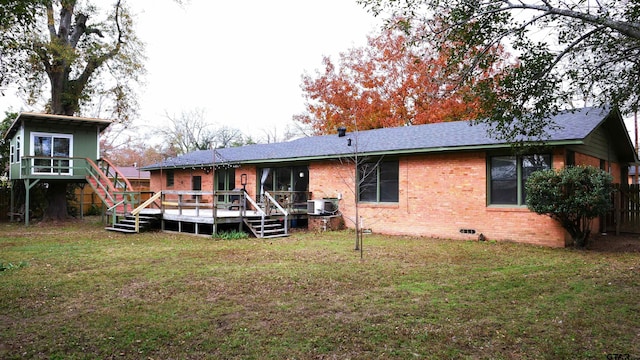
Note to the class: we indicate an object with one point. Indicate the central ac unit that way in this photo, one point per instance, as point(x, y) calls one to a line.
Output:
point(319, 207)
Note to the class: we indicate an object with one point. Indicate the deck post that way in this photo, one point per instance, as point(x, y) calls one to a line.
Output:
point(214, 210)
point(28, 187)
point(12, 201)
point(82, 200)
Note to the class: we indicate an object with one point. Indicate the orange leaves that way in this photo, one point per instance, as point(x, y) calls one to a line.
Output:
point(388, 83)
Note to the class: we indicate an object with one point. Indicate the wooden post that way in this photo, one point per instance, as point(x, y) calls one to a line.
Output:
point(617, 205)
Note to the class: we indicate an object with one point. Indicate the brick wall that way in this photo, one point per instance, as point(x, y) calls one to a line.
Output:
point(251, 179)
point(182, 179)
point(439, 195)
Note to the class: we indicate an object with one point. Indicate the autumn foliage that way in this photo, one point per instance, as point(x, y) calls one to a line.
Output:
point(388, 83)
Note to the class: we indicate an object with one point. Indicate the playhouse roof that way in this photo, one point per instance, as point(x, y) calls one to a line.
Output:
point(54, 120)
point(573, 127)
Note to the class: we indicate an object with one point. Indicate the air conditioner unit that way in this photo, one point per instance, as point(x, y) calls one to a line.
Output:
point(319, 207)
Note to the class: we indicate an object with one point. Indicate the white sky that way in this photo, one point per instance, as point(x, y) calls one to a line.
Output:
point(239, 61)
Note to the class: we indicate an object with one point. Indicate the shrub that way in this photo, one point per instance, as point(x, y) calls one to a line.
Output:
point(573, 196)
point(231, 235)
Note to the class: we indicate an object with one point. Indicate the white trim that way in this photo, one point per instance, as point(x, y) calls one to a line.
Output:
point(52, 136)
point(98, 143)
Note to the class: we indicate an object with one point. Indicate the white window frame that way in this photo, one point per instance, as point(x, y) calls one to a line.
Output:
point(52, 136)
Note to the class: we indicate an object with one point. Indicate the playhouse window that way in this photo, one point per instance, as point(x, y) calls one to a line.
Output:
point(17, 150)
point(378, 182)
point(48, 149)
point(508, 175)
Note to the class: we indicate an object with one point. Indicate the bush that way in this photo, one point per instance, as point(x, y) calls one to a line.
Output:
point(231, 235)
point(573, 196)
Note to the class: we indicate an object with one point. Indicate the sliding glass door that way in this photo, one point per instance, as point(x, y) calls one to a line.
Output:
point(50, 151)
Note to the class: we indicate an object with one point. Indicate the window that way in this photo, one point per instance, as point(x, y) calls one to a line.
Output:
point(225, 180)
point(12, 154)
point(284, 179)
point(378, 182)
point(196, 183)
point(571, 158)
point(48, 149)
point(17, 158)
point(170, 178)
point(508, 175)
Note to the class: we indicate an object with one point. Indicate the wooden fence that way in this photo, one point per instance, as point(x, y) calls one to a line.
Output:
point(5, 202)
point(625, 216)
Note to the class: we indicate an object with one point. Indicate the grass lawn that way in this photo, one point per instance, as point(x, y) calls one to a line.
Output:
point(75, 291)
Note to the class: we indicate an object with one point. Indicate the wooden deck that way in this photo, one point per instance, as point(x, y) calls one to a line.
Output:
point(194, 212)
point(203, 216)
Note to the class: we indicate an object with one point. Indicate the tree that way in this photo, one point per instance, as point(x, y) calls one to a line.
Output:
point(586, 51)
point(56, 45)
point(4, 145)
point(188, 132)
point(226, 136)
point(59, 44)
point(358, 182)
point(388, 83)
point(136, 152)
point(191, 131)
point(291, 131)
point(573, 196)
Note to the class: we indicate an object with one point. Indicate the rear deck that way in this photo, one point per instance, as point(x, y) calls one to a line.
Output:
point(195, 212)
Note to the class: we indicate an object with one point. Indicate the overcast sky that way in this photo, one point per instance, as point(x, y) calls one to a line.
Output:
point(240, 61)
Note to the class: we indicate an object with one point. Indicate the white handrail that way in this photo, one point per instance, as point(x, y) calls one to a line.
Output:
point(255, 205)
point(277, 204)
point(262, 213)
point(286, 214)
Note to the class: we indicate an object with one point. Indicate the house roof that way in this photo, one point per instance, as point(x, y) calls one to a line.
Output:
point(132, 172)
point(573, 127)
point(55, 120)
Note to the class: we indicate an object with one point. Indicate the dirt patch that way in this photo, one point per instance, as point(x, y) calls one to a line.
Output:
point(625, 242)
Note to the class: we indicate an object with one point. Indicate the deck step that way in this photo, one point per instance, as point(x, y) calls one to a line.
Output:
point(127, 224)
point(269, 228)
point(119, 229)
point(274, 236)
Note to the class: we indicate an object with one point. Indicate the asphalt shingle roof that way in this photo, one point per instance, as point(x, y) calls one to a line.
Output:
point(572, 126)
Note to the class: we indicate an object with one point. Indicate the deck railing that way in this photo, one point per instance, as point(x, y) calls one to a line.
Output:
point(38, 166)
point(186, 200)
point(295, 202)
point(196, 202)
point(76, 168)
point(272, 202)
point(136, 212)
point(118, 197)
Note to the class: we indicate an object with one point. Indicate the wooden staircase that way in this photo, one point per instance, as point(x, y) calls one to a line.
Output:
point(111, 186)
point(270, 227)
point(272, 221)
point(127, 224)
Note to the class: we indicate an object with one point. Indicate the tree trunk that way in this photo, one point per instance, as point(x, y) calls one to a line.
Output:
point(56, 202)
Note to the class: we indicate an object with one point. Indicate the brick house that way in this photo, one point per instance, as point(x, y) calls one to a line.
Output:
point(445, 180)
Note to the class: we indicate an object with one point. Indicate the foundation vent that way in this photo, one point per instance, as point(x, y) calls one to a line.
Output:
point(467, 231)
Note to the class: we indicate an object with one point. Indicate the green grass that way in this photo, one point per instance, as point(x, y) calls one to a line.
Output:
point(83, 293)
